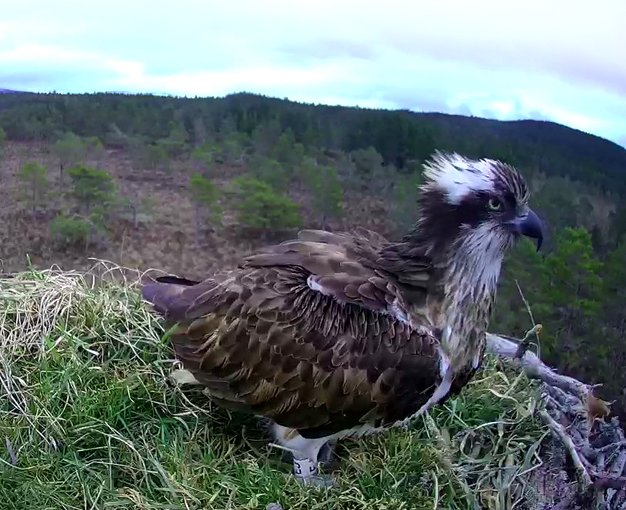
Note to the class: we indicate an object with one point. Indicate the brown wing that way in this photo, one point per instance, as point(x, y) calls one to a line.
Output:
point(304, 334)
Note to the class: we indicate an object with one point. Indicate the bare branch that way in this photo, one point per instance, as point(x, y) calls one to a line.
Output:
point(617, 482)
point(560, 432)
point(577, 419)
point(534, 367)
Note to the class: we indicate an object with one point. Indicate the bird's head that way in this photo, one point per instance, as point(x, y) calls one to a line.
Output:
point(481, 205)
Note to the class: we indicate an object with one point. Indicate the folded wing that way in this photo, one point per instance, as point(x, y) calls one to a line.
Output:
point(308, 333)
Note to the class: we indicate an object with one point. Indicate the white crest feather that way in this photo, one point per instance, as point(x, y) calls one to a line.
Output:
point(457, 176)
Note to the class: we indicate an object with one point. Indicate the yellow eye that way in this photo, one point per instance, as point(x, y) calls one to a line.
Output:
point(494, 204)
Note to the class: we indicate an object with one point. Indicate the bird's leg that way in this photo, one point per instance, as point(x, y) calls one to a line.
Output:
point(305, 456)
point(304, 467)
point(326, 456)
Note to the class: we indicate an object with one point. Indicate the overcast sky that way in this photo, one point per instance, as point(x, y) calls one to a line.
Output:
point(558, 60)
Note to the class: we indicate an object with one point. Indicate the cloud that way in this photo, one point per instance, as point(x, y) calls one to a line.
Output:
point(534, 35)
point(259, 78)
point(328, 49)
point(534, 59)
point(45, 68)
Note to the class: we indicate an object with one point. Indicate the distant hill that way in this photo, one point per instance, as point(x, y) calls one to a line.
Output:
point(551, 138)
point(403, 138)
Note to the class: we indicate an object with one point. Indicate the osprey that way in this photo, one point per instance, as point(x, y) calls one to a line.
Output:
point(337, 334)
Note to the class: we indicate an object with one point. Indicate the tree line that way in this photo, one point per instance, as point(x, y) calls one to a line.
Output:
point(160, 125)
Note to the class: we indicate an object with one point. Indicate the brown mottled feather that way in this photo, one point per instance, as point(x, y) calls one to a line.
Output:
point(331, 331)
point(261, 339)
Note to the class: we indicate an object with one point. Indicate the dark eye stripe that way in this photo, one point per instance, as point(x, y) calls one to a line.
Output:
point(509, 199)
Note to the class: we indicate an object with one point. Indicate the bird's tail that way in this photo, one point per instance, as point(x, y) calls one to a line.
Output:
point(162, 291)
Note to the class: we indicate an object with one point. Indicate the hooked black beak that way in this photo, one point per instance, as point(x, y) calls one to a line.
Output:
point(530, 225)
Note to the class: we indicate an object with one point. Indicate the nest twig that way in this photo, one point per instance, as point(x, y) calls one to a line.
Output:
point(578, 420)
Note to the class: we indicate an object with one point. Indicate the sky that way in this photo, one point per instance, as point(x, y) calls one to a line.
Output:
point(556, 60)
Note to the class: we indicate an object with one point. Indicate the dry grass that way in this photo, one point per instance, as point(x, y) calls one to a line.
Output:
point(89, 419)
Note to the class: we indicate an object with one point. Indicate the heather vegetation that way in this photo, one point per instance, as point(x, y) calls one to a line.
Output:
point(188, 184)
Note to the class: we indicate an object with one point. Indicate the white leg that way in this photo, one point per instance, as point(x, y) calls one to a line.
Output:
point(305, 453)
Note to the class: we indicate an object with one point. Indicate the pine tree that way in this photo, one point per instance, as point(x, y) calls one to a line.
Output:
point(70, 150)
point(34, 185)
point(269, 171)
point(614, 287)
point(205, 197)
point(92, 188)
point(574, 273)
point(325, 186)
point(261, 208)
point(404, 209)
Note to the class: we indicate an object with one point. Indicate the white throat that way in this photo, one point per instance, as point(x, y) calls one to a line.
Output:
point(471, 283)
point(477, 259)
